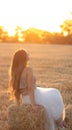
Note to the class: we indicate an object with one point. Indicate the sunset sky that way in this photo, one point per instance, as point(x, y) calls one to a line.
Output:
point(42, 14)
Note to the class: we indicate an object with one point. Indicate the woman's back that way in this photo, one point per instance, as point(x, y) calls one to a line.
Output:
point(24, 80)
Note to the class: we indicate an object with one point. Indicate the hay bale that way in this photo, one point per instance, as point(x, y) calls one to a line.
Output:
point(23, 117)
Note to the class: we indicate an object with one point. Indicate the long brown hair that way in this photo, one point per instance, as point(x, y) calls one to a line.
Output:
point(19, 61)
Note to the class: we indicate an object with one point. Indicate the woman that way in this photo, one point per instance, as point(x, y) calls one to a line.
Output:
point(23, 84)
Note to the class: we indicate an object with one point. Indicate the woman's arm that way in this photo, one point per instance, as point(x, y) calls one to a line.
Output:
point(30, 83)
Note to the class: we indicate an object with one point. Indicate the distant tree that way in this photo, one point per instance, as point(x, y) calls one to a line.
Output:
point(46, 37)
point(67, 27)
point(32, 35)
point(3, 34)
point(18, 34)
point(58, 38)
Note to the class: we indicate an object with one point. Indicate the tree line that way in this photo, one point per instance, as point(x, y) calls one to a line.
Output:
point(33, 35)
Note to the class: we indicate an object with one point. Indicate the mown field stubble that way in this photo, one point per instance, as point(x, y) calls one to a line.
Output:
point(52, 65)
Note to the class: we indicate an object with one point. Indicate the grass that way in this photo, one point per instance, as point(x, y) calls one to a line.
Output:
point(52, 66)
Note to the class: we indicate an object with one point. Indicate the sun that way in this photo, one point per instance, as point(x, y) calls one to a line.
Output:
point(10, 30)
point(42, 14)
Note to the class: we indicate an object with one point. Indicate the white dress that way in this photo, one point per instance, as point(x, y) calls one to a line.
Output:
point(52, 101)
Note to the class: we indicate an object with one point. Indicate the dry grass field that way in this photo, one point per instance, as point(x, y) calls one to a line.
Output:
point(52, 66)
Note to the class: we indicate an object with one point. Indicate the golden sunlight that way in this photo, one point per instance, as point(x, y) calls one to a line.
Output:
point(42, 14)
point(11, 30)
point(65, 33)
